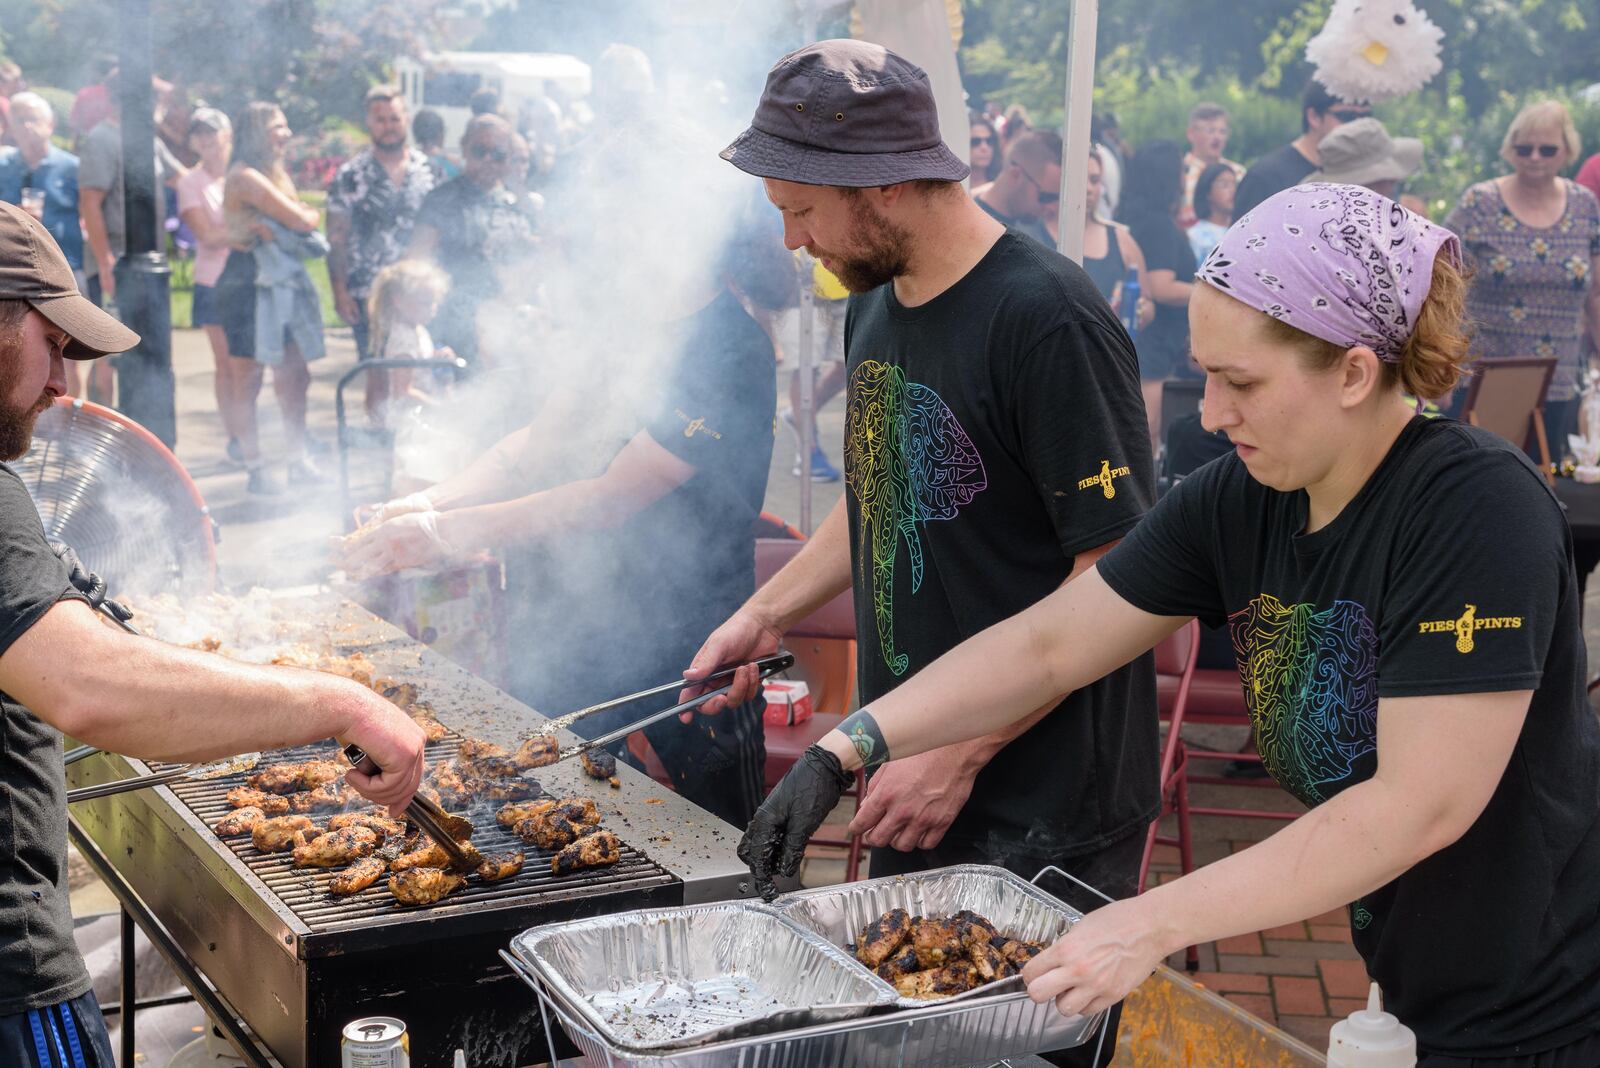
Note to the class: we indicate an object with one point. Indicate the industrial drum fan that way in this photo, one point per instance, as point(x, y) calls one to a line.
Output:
point(111, 490)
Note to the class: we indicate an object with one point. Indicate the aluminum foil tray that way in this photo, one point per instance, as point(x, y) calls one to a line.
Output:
point(669, 979)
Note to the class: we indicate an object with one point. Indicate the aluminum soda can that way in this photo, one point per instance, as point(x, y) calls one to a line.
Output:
point(375, 1042)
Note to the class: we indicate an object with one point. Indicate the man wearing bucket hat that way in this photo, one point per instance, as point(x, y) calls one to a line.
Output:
point(995, 447)
point(114, 690)
point(1361, 152)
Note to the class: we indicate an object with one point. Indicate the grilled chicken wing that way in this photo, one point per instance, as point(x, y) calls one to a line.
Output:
point(1016, 952)
point(490, 767)
point(328, 796)
point(239, 821)
point(450, 782)
point(336, 848)
point(882, 937)
point(591, 851)
point(382, 825)
point(562, 825)
point(358, 876)
point(498, 866)
point(276, 835)
point(511, 813)
point(937, 942)
point(973, 925)
point(516, 788)
point(474, 749)
point(989, 961)
point(599, 764)
point(537, 751)
point(424, 886)
point(956, 978)
point(293, 778)
point(250, 797)
point(902, 963)
point(426, 854)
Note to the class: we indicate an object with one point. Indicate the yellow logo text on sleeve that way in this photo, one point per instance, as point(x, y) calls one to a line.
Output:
point(1467, 624)
point(1106, 479)
point(697, 426)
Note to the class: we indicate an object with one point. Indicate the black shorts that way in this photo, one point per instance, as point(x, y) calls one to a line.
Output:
point(235, 304)
point(69, 1035)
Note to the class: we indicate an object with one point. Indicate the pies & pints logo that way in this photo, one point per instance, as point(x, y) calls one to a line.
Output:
point(1467, 624)
point(697, 426)
point(1106, 479)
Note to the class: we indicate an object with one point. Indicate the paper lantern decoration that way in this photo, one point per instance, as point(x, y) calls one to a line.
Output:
point(1372, 50)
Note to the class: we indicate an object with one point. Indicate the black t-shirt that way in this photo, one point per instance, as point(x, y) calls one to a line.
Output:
point(1272, 173)
point(1164, 344)
point(992, 434)
point(478, 230)
point(1449, 573)
point(39, 964)
point(615, 610)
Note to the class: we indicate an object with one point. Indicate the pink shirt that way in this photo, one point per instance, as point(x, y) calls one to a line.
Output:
point(1589, 174)
point(198, 189)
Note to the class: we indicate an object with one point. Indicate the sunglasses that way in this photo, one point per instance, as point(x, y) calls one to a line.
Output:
point(976, 141)
point(1546, 151)
point(1349, 114)
point(1046, 196)
point(485, 152)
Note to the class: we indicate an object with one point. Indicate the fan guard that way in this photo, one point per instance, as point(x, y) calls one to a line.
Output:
point(109, 488)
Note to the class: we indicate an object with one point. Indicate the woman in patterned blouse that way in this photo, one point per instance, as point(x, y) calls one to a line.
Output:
point(1534, 241)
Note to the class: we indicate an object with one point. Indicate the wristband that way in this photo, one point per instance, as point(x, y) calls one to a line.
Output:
point(866, 736)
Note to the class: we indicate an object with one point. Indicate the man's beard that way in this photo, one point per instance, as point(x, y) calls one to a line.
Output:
point(887, 250)
point(393, 144)
point(16, 428)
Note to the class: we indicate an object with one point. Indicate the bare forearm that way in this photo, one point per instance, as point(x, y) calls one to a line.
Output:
point(817, 574)
point(582, 505)
point(491, 477)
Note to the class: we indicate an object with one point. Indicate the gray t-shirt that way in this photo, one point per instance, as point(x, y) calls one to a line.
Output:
point(39, 964)
point(100, 167)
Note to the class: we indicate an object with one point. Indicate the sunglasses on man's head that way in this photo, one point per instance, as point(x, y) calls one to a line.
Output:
point(1547, 151)
point(487, 152)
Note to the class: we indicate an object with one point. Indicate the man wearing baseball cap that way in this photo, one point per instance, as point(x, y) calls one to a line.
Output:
point(65, 670)
point(995, 448)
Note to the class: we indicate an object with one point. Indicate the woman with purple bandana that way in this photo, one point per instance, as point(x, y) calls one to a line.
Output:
point(1400, 595)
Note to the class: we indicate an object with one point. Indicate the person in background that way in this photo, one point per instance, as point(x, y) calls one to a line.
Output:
point(1589, 174)
point(1362, 153)
point(830, 299)
point(373, 202)
point(484, 101)
point(1105, 136)
point(174, 112)
point(258, 190)
point(1533, 238)
point(92, 103)
point(427, 131)
point(101, 209)
point(1320, 114)
point(200, 207)
point(1029, 187)
point(1110, 252)
point(1208, 139)
point(404, 298)
point(43, 179)
point(1212, 208)
point(1016, 123)
point(11, 80)
point(518, 169)
point(1150, 202)
point(985, 151)
point(467, 225)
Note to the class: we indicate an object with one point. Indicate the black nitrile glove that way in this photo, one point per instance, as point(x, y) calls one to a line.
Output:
point(88, 583)
point(776, 839)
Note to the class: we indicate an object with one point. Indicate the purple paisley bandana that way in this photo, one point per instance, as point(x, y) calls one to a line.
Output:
point(1338, 262)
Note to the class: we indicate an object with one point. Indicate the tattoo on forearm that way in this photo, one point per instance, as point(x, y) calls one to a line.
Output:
point(867, 737)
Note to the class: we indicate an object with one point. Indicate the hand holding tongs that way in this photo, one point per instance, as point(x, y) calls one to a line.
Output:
point(451, 832)
point(767, 665)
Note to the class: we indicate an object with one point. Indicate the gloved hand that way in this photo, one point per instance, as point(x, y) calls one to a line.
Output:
point(411, 502)
point(409, 540)
point(775, 842)
point(89, 584)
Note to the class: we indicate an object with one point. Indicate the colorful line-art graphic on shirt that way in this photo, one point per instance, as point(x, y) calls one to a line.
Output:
point(908, 462)
point(1311, 684)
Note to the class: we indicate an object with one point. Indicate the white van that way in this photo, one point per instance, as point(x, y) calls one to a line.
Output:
point(445, 82)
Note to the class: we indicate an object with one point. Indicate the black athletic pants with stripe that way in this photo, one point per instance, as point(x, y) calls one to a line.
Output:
point(71, 1034)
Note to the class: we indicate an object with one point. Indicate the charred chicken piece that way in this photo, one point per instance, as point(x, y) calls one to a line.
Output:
point(336, 848)
point(599, 764)
point(329, 796)
point(424, 886)
point(474, 749)
point(358, 876)
point(239, 821)
point(973, 925)
point(426, 854)
point(490, 767)
point(902, 963)
point(1017, 953)
point(937, 942)
point(537, 751)
point(498, 866)
point(989, 961)
point(513, 789)
point(431, 794)
point(276, 835)
point(250, 797)
point(579, 809)
point(591, 851)
point(562, 825)
point(956, 978)
point(450, 782)
point(881, 938)
point(293, 778)
point(381, 825)
point(511, 813)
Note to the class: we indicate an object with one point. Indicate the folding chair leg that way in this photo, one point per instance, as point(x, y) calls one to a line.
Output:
point(1191, 955)
point(1149, 851)
point(852, 861)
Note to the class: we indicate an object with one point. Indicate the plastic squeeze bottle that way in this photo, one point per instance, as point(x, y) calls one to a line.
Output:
point(1371, 1038)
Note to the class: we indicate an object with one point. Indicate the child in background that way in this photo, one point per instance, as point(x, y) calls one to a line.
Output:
point(405, 298)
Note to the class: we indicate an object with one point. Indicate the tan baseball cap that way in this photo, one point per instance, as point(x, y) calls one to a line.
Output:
point(33, 268)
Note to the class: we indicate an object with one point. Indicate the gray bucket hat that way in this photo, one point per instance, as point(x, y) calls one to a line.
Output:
point(847, 113)
point(1362, 151)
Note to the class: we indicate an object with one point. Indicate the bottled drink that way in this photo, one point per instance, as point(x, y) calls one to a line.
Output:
point(1130, 304)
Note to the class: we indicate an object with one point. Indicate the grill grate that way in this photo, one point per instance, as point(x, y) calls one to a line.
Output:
point(304, 891)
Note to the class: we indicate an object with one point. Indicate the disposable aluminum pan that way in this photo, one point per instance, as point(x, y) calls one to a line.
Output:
point(1017, 908)
point(671, 979)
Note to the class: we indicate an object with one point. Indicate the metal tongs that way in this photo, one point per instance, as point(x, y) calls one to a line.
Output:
point(214, 769)
point(767, 665)
point(450, 831)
